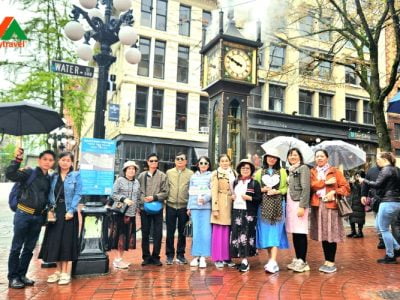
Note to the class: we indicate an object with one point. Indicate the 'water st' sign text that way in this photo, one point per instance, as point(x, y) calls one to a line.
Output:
point(71, 69)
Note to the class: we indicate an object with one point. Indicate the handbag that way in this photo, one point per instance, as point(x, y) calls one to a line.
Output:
point(119, 207)
point(51, 216)
point(344, 207)
point(153, 207)
point(188, 230)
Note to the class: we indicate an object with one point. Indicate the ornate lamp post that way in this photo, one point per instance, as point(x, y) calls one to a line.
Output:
point(106, 29)
point(61, 138)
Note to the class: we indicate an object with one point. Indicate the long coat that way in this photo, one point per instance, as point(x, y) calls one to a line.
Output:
point(221, 198)
point(358, 215)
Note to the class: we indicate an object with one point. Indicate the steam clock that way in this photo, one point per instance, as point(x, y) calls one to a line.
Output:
point(229, 72)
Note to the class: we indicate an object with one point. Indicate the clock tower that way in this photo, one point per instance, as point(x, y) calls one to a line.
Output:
point(229, 72)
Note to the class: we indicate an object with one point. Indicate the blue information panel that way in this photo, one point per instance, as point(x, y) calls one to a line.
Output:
point(97, 166)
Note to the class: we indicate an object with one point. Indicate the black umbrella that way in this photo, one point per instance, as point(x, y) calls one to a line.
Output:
point(24, 118)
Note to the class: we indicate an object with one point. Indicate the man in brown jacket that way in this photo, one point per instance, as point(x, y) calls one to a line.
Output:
point(178, 195)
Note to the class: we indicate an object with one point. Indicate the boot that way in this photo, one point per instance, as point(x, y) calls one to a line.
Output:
point(353, 230)
point(359, 234)
point(352, 234)
point(381, 245)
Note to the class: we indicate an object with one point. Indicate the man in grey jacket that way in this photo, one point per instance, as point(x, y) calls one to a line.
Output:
point(153, 187)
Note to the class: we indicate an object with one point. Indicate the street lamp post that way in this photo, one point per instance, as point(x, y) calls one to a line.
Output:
point(106, 29)
point(61, 138)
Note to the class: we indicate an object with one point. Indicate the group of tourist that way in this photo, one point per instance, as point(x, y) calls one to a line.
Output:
point(235, 212)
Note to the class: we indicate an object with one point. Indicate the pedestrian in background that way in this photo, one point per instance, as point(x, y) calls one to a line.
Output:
point(28, 218)
point(60, 243)
point(327, 184)
point(246, 198)
point(126, 189)
point(221, 204)
point(199, 208)
point(176, 210)
point(358, 215)
point(271, 232)
point(389, 182)
point(153, 187)
point(297, 208)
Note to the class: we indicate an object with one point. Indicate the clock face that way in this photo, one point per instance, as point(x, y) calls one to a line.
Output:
point(238, 64)
point(213, 66)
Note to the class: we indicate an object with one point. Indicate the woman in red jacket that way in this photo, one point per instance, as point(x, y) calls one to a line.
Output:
point(327, 184)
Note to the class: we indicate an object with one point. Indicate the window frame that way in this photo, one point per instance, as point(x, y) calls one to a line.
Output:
point(203, 117)
point(323, 107)
point(277, 58)
point(351, 111)
point(148, 12)
point(367, 114)
point(143, 61)
point(303, 104)
point(180, 66)
point(160, 15)
point(181, 25)
point(159, 63)
point(145, 90)
point(272, 99)
point(160, 111)
point(181, 97)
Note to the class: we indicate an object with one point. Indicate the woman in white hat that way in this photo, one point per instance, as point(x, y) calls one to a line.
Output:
point(126, 193)
point(271, 232)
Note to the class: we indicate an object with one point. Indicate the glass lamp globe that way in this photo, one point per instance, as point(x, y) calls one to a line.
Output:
point(133, 55)
point(127, 35)
point(122, 5)
point(50, 141)
point(64, 141)
point(63, 130)
point(88, 4)
point(70, 131)
point(85, 52)
point(74, 30)
point(95, 12)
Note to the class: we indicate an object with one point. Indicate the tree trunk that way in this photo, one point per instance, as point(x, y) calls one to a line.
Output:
point(381, 126)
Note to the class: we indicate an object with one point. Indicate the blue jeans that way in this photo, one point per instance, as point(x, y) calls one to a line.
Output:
point(387, 213)
point(26, 233)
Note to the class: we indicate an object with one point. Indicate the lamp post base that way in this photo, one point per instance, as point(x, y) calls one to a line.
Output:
point(91, 265)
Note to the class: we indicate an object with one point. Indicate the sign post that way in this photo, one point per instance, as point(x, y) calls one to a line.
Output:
point(71, 69)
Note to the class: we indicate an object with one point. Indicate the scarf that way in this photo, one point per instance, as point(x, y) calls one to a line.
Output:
point(321, 175)
point(227, 174)
point(271, 205)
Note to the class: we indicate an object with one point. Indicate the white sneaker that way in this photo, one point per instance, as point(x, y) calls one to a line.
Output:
point(271, 267)
point(54, 277)
point(301, 266)
point(202, 263)
point(119, 264)
point(219, 264)
point(194, 262)
point(64, 279)
point(292, 265)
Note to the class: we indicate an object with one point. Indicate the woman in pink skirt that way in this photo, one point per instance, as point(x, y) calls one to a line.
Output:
point(298, 201)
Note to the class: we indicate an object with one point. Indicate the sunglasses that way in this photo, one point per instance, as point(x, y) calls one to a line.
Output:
point(203, 163)
point(153, 160)
point(180, 158)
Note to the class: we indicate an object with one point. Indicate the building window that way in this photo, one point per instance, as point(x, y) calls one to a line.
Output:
point(276, 98)
point(156, 116)
point(351, 110)
point(396, 131)
point(184, 20)
point(181, 111)
point(144, 64)
point(325, 69)
point(325, 106)
point(305, 103)
point(276, 57)
point(206, 19)
point(161, 15)
point(350, 76)
point(146, 10)
point(255, 97)
point(325, 24)
point(142, 94)
point(183, 64)
point(306, 25)
point(203, 117)
point(368, 116)
point(306, 64)
point(159, 59)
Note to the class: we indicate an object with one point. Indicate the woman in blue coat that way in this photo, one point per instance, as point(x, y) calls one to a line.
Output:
point(60, 243)
point(199, 207)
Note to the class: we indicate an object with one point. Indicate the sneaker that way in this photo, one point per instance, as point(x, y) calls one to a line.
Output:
point(54, 277)
point(387, 260)
point(328, 269)
point(219, 264)
point(229, 263)
point(195, 262)
point(147, 261)
point(350, 235)
point(202, 262)
point(301, 266)
point(292, 264)
point(64, 279)
point(358, 235)
point(244, 267)
point(170, 261)
point(119, 264)
point(271, 267)
point(156, 262)
point(181, 260)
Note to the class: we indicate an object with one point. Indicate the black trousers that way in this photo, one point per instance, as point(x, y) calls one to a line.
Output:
point(329, 250)
point(148, 221)
point(300, 245)
point(174, 215)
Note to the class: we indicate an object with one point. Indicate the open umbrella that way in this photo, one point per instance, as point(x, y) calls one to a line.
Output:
point(24, 118)
point(284, 143)
point(342, 153)
point(394, 104)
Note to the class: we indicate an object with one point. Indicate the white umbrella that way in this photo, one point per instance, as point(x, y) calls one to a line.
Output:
point(283, 143)
point(342, 153)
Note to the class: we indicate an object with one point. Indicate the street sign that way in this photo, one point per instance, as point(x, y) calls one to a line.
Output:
point(113, 112)
point(71, 69)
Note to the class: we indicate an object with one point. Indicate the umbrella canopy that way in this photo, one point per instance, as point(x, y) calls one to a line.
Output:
point(23, 118)
point(394, 104)
point(283, 143)
point(342, 153)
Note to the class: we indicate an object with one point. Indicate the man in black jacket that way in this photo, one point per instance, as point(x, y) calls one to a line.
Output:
point(28, 218)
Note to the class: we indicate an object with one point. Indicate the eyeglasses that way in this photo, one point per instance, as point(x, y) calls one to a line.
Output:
point(180, 158)
point(203, 163)
point(153, 160)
